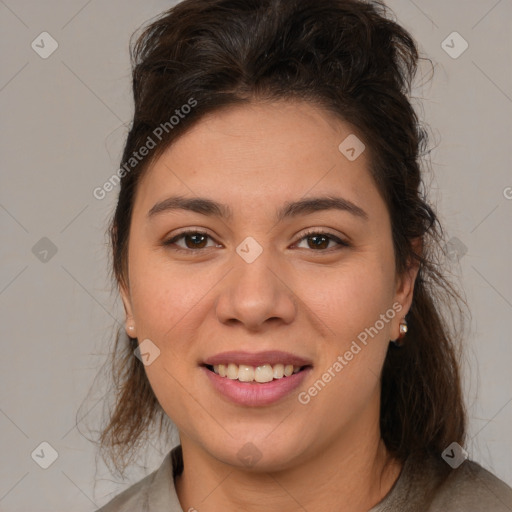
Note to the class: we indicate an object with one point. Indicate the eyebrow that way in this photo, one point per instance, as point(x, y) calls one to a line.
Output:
point(209, 207)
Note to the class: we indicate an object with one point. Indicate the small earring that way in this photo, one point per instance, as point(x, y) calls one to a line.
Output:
point(131, 328)
point(403, 328)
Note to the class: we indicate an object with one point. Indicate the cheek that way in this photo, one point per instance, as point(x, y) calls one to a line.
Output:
point(164, 296)
point(170, 388)
point(350, 298)
point(168, 303)
point(354, 348)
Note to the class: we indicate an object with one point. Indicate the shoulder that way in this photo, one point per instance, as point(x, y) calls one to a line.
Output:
point(153, 493)
point(428, 484)
point(471, 487)
point(133, 498)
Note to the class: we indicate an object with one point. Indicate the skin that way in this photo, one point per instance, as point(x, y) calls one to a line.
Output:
point(325, 455)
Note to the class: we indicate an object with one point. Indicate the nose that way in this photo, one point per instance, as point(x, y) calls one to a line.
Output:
point(255, 295)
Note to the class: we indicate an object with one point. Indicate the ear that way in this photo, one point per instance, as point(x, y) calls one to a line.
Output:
point(404, 288)
point(130, 327)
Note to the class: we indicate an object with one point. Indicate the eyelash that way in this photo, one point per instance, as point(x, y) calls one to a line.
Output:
point(310, 233)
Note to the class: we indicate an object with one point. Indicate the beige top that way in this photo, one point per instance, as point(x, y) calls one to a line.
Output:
point(431, 486)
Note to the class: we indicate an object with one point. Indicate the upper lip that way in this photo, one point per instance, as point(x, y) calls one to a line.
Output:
point(257, 359)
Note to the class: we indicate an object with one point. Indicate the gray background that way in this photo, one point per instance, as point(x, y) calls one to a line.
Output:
point(63, 124)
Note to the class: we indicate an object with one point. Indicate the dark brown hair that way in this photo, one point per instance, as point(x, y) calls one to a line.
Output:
point(353, 59)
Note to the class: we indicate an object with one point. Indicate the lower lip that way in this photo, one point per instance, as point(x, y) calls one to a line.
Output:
point(255, 393)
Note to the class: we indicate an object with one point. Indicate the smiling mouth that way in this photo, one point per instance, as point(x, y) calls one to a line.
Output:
point(255, 374)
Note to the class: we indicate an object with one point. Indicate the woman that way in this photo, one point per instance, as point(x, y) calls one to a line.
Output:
point(277, 265)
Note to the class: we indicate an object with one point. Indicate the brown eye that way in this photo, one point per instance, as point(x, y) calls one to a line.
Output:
point(320, 240)
point(193, 240)
point(197, 240)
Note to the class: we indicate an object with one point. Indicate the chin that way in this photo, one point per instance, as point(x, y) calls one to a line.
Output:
point(262, 454)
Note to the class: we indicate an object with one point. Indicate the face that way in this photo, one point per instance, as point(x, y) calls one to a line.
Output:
point(263, 287)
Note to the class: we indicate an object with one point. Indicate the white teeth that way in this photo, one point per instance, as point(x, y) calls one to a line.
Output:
point(278, 371)
point(262, 373)
point(232, 371)
point(245, 373)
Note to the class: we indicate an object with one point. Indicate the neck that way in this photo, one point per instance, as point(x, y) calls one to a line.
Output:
point(352, 474)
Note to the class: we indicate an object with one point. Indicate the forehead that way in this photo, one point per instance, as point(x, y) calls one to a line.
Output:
point(262, 153)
